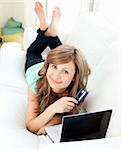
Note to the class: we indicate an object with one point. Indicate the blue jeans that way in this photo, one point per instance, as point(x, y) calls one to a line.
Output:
point(34, 52)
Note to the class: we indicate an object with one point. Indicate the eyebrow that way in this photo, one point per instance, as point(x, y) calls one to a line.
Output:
point(62, 68)
point(66, 69)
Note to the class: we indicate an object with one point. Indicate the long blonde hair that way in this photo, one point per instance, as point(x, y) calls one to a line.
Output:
point(60, 55)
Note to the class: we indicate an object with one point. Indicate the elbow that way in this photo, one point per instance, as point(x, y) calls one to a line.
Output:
point(31, 128)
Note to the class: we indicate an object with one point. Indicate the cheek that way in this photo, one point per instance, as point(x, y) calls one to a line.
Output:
point(67, 80)
point(49, 74)
point(49, 71)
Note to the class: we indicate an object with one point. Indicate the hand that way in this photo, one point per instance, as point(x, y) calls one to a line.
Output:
point(64, 104)
point(41, 131)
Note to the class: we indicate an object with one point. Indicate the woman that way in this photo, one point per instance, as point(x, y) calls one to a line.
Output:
point(53, 83)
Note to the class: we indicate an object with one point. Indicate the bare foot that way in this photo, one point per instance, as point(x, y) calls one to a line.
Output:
point(41, 15)
point(52, 29)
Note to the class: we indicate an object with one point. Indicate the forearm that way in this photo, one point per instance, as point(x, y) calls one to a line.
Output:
point(57, 119)
point(35, 124)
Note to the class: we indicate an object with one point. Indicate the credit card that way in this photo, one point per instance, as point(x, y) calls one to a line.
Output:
point(81, 95)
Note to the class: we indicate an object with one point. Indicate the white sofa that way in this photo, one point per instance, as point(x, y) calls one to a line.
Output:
point(101, 44)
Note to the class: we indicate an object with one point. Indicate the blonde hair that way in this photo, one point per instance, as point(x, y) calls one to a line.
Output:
point(60, 55)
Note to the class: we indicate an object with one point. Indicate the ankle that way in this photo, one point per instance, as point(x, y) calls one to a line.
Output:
point(54, 29)
point(43, 28)
point(51, 32)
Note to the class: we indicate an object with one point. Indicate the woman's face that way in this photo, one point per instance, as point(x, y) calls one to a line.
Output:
point(59, 76)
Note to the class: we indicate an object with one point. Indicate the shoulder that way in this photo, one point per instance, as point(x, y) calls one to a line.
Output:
point(32, 76)
point(32, 95)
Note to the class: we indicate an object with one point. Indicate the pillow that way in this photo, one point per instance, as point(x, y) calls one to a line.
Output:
point(13, 132)
point(95, 36)
point(16, 110)
point(7, 31)
point(92, 34)
point(104, 86)
point(12, 23)
point(30, 34)
point(18, 37)
point(12, 62)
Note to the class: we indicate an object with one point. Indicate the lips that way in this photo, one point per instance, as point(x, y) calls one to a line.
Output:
point(55, 81)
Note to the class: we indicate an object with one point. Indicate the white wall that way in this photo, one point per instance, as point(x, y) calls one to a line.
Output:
point(29, 14)
point(11, 9)
point(18, 11)
point(69, 11)
point(5, 12)
point(111, 9)
point(21, 10)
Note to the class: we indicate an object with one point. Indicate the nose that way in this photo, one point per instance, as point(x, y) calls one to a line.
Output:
point(57, 75)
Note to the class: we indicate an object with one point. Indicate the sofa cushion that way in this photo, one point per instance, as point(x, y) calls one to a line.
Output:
point(101, 44)
point(12, 23)
point(18, 37)
point(30, 34)
point(104, 86)
point(12, 61)
point(13, 132)
point(8, 31)
point(13, 100)
point(92, 34)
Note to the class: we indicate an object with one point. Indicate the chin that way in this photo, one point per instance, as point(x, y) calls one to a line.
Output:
point(55, 88)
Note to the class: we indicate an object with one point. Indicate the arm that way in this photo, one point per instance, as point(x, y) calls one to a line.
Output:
point(35, 120)
point(57, 119)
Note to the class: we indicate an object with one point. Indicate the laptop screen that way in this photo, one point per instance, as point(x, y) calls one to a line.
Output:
point(85, 126)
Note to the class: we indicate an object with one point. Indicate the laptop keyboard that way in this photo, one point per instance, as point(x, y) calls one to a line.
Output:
point(54, 132)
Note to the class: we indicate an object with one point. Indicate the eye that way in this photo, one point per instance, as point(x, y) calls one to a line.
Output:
point(66, 72)
point(54, 66)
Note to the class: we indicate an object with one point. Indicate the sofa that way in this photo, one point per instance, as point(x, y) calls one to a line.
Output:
point(101, 44)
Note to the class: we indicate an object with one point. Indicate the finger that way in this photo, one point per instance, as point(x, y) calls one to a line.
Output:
point(73, 100)
point(71, 104)
point(70, 107)
point(39, 132)
point(67, 110)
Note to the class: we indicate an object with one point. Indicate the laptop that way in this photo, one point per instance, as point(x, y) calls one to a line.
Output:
point(78, 127)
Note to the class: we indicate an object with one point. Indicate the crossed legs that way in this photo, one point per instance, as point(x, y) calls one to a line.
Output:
point(47, 36)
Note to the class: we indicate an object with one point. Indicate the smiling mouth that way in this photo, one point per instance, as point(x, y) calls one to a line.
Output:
point(57, 82)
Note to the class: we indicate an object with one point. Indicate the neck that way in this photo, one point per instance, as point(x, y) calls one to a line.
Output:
point(58, 91)
point(62, 93)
